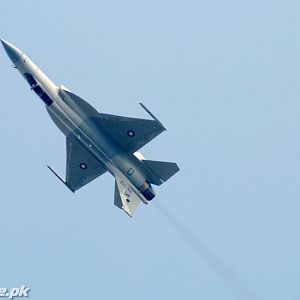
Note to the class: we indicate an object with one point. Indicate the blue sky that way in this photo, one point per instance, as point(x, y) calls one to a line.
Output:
point(224, 78)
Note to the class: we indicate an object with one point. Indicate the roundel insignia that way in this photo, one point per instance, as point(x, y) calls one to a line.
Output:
point(130, 133)
point(83, 166)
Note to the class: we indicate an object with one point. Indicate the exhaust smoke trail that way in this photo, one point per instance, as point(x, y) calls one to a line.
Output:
point(221, 268)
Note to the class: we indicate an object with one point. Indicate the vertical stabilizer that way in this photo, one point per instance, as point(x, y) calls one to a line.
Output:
point(125, 197)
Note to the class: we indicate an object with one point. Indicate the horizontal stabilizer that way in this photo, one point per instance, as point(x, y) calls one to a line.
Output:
point(160, 171)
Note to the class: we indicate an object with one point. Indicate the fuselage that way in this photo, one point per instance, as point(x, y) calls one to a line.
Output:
point(75, 123)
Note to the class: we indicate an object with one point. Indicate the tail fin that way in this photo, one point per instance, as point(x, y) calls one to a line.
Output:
point(125, 197)
point(160, 171)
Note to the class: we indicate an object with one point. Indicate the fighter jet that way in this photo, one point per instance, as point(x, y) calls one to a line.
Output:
point(98, 142)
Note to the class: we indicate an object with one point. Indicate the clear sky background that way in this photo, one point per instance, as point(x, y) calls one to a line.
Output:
point(224, 78)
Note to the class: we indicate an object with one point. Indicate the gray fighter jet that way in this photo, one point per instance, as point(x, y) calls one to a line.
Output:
point(98, 142)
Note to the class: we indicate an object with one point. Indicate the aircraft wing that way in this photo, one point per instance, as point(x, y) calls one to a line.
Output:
point(81, 166)
point(131, 133)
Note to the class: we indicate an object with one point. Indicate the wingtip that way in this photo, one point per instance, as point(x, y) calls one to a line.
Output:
point(128, 214)
point(152, 115)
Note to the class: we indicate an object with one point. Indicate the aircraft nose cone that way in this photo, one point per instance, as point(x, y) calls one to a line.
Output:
point(13, 52)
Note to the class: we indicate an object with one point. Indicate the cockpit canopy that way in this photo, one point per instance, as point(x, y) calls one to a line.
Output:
point(38, 89)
